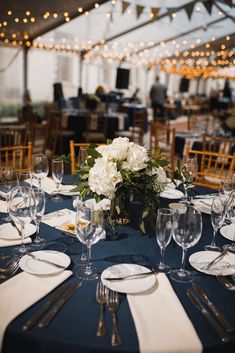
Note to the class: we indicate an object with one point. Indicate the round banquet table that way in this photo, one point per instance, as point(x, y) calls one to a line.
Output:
point(73, 330)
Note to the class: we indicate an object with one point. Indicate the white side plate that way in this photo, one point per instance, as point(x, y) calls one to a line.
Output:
point(9, 232)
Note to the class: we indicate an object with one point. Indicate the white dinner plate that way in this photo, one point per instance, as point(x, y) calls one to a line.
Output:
point(171, 194)
point(63, 228)
point(131, 285)
point(9, 232)
point(228, 231)
point(28, 264)
point(65, 190)
point(225, 266)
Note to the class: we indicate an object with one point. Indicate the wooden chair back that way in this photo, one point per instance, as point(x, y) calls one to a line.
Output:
point(38, 135)
point(74, 151)
point(13, 136)
point(225, 145)
point(96, 128)
point(212, 167)
point(138, 126)
point(53, 133)
point(162, 137)
point(18, 157)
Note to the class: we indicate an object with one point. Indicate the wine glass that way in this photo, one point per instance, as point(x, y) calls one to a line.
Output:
point(164, 227)
point(82, 156)
point(187, 231)
point(231, 217)
point(21, 206)
point(226, 187)
point(8, 180)
point(88, 228)
point(218, 213)
point(25, 178)
point(40, 167)
point(188, 172)
point(37, 213)
point(57, 175)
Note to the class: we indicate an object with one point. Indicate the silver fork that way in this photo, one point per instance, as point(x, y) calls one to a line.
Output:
point(101, 300)
point(7, 266)
point(225, 282)
point(113, 305)
point(11, 271)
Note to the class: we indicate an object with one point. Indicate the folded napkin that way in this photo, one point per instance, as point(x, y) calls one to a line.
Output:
point(29, 289)
point(3, 206)
point(54, 219)
point(170, 193)
point(49, 186)
point(5, 243)
point(203, 205)
point(161, 323)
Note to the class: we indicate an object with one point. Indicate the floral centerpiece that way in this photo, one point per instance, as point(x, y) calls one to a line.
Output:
point(123, 171)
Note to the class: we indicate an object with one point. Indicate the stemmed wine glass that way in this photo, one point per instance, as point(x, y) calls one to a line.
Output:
point(188, 172)
point(21, 206)
point(25, 178)
point(40, 167)
point(164, 227)
point(218, 213)
point(187, 231)
point(8, 180)
point(82, 156)
point(88, 227)
point(37, 213)
point(231, 217)
point(226, 187)
point(57, 175)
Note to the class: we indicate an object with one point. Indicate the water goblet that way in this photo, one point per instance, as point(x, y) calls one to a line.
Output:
point(57, 175)
point(40, 167)
point(88, 228)
point(25, 178)
point(8, 180)
point(187, 231)
point(218, 213)
point(37, 213)
point(21, 206)
point(164, 227)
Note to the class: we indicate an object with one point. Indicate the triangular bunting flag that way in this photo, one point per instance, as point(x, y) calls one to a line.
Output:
point(227, 2)
point(139, 10)
point(189, 9)
point(154, 12)
point(125, 5)
point(171, 10)
point(208, 5)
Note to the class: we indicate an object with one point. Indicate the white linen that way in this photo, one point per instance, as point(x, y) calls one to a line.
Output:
point(3, 206)
point(161, 323)
point(170, 193)
point(203, 205)
point(29, 289)
point(49, 186)
point(54, 219)
point(5, 243)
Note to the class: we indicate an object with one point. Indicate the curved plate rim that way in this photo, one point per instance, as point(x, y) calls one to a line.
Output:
point(32, 226)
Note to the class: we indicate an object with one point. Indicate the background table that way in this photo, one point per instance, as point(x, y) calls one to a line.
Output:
point(74, 329)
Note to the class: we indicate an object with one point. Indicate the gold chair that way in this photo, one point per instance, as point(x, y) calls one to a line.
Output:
point(162, 137)
point(136, 131)
point(13, 135)
point(218, 144)
point(75, 146)
point(18, 157)
point(38, 136)
point(212, 167)
point(96, 128)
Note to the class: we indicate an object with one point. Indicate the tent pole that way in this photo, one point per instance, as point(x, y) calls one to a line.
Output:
point(25, 68)
point(81, 58)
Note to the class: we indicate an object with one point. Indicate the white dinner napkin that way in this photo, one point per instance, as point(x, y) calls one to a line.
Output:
point(5, 243)
point(161, 323)
point(49, 186)
point(29, 289)
point(3, 206)
point(54, 219)
point(170, 193)
point(203, 205)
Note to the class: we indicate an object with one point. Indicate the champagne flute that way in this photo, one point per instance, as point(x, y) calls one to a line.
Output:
point(188, 172)
point(21, 206)
point(40, 167)
point(37, 213)
point(88, 227)
point(164, 227)
point(218, 213)
point(57, 175)
point(8, 180)
point(187, 231)
point(82, 156)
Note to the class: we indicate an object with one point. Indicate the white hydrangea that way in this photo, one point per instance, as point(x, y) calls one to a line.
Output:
point(137, 158)
point(103, 177)
point(161, 175)
point(117, 150)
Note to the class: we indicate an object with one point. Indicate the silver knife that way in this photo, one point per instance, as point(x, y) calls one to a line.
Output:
point(44, 260)
point(196, 302)
point(226, 325)
point(32, 321)
point(65, 297)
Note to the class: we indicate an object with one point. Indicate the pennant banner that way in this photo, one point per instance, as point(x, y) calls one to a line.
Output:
point(208, 5)
point(189, 10)
point(125, 6)
point(139, 10)
point(171, 10)
point(154, 12)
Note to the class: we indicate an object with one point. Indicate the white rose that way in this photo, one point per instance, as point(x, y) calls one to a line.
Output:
point(103, 177)
point(103, 205)
point(103, 150)
point(137, 158)
point(117, 150)
point(161, 175)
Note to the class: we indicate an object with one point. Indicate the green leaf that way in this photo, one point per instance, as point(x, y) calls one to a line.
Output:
point(93, 153)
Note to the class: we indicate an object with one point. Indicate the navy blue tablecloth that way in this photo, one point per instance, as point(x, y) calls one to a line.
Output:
point(74, 329)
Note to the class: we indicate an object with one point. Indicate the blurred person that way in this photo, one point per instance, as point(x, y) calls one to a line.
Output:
point(158, 97)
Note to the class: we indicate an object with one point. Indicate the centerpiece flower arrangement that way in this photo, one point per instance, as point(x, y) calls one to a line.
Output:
point(123, 171)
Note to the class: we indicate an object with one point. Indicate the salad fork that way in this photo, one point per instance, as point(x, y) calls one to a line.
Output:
point(101, 300)
point(11, 271)
point(8, 265)
point(113, 305)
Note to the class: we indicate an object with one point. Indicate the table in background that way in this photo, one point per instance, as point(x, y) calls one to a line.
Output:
point(74, 329)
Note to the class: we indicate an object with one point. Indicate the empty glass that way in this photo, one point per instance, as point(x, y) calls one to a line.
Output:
point(89, 228)
point(21, 208)
point(231, 218)
point(188, 173)
point(218, 213)
point(226, 187)
point(25, 178)
point(40, 167)
point(38, 212)
point(164, 230)
point(8, 180)
point(187, 231)
point(57, 175)
point(82, 156)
